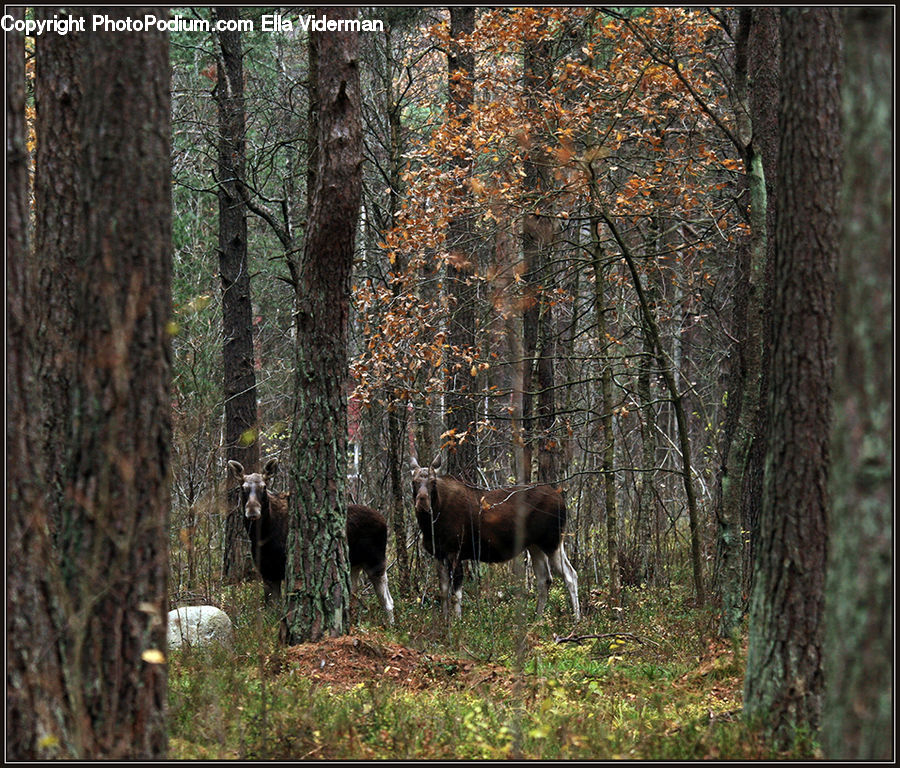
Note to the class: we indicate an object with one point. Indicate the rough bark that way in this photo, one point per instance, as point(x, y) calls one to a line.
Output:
point(744, 391)
point(34, 678)
point(858, 721)
point(59, 92)
point(784, 677)
point(398, 415)
point(764, 72)
point(104, 579)
point(317, 594)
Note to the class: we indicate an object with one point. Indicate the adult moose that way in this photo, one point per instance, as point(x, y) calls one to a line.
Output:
point(461, 522)
point(266, 522)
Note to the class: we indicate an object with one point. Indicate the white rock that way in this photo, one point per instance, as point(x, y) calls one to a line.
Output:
point(199, 625)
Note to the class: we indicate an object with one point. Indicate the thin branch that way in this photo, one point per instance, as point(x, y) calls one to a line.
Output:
point(611, 635)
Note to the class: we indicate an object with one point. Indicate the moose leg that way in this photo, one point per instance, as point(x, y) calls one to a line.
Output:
point(542, 577)
point(443, 567)
point(456, 575)
point(378, 577)
point(561, 566)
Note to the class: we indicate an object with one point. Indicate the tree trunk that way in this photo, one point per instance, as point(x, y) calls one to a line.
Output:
point(744, 392)
point(784, 662)
point(58, 206)
point(858, 722)
point(101, 617)
point(649, 569)
point(35, 722)
point(241, 426)
point(398, 414)
point(538, 234)
point(317, 594)
point(397, 445)
point(764, 65)
point(607, 438)
point(462, 458)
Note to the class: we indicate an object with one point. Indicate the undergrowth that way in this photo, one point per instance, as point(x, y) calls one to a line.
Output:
point(645, 680)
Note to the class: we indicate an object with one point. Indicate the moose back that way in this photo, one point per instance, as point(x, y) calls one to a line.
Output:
point(461, 522)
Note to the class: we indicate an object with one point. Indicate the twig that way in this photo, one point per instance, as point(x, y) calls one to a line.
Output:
point(578, 638)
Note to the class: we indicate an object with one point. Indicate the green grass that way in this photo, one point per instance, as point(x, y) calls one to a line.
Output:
point(659, 689)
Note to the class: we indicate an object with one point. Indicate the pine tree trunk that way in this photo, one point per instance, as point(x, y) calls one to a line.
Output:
point(59, 93)
point(317, 578)
point(784, 663)
point(34, 720)
point(398, 416)
point(648, 568)
point(744, 391)
point(538, 234)
point(241, 427)
point(105, 577)
point(858, 717)
point(763, 65)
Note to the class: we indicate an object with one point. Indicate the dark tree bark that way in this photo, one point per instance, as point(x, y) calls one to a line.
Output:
point(538, 235)
point(312, 119)
point(764, 73)
point(398, 415)
point(317, 594)
point(649, 567)
point(462, 458)
point(58, 205)
point(742, 377)
point(34, 678)
point(241, 423)
point(858, 721)
point(784, 662)
point(101, 618)
point(753, 48)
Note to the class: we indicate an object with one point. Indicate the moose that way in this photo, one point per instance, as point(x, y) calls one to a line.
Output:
point(461, 522)
point(266, 522)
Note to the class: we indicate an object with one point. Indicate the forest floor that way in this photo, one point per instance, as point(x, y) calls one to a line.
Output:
point(345, 662)
point(649, 681)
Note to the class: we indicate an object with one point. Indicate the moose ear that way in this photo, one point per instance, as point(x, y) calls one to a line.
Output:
point(271, 467)
point(437, 461)
point(413, 464)
point(236, 469)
